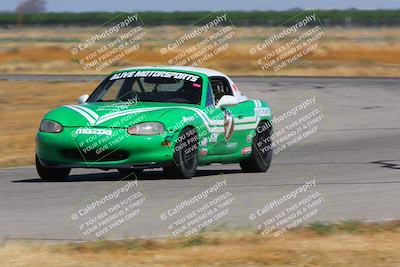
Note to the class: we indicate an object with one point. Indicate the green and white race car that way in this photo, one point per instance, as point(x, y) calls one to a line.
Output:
point(149, 117)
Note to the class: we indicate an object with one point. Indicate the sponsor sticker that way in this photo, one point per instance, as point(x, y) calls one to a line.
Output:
point(249, 138)
point(213, 137)
point(203, 152)
point(204, 141)
point(161, 74)
point(232, 145)
point(262, 112)
point(93, 131)
point(246, 150)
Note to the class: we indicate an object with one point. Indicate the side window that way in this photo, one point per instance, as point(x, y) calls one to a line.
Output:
point(210, 96)
point(220, 87)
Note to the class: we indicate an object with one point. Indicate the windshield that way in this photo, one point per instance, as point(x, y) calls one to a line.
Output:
point(149, 86)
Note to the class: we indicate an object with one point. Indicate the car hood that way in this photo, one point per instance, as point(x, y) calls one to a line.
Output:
point(118, 114)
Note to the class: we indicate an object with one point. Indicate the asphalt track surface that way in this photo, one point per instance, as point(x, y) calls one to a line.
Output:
point(354, 158)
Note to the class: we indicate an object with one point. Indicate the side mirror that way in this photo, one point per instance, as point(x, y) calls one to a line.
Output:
point(82, 99)
point(227, 100)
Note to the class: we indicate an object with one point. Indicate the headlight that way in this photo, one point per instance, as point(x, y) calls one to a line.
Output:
point(50, 126)
point(146, 128)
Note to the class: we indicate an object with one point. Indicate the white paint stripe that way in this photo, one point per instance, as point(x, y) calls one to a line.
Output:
point(206, 119)
point(255, 103)
point(126, 112)
point(202, 115)
point(211, 125)
point(246, 119)
point(246, 126)
point(89, 111)
point(116, 115)
point(84, 114)
point(199, 112)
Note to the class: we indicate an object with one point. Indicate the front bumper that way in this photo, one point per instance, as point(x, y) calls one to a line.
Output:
point(117, 150)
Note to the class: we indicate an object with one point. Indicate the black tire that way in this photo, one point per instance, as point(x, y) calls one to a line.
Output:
point(131, 173)
point(261, 154)
point(51, 174)
point(184, 163)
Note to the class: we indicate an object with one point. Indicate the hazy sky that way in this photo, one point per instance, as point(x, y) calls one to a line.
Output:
point(184, 5)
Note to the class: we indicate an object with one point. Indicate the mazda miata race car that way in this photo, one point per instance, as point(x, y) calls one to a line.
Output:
point(176, 118)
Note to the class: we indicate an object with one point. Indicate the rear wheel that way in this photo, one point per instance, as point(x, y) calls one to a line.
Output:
point(51, 174)
point(261, 154)
point(184, 162)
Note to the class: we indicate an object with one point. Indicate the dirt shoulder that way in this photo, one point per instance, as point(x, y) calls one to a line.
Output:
point(344, 244)
point(362, 52)
point(22, 106)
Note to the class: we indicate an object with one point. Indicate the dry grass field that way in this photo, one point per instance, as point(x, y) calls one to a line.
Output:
point(22, 106)
point(344, 244)
point(342, 51)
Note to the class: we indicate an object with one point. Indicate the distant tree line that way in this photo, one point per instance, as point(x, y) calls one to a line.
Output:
point(350, 17)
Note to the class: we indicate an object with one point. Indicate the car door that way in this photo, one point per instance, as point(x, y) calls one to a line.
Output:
point(224, 139)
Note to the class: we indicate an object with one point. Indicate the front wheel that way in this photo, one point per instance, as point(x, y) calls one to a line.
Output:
point(51, 174)
point(261, 154)
point(184, 163)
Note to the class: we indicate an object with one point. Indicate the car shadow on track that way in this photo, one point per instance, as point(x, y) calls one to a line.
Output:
point(115, 176)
